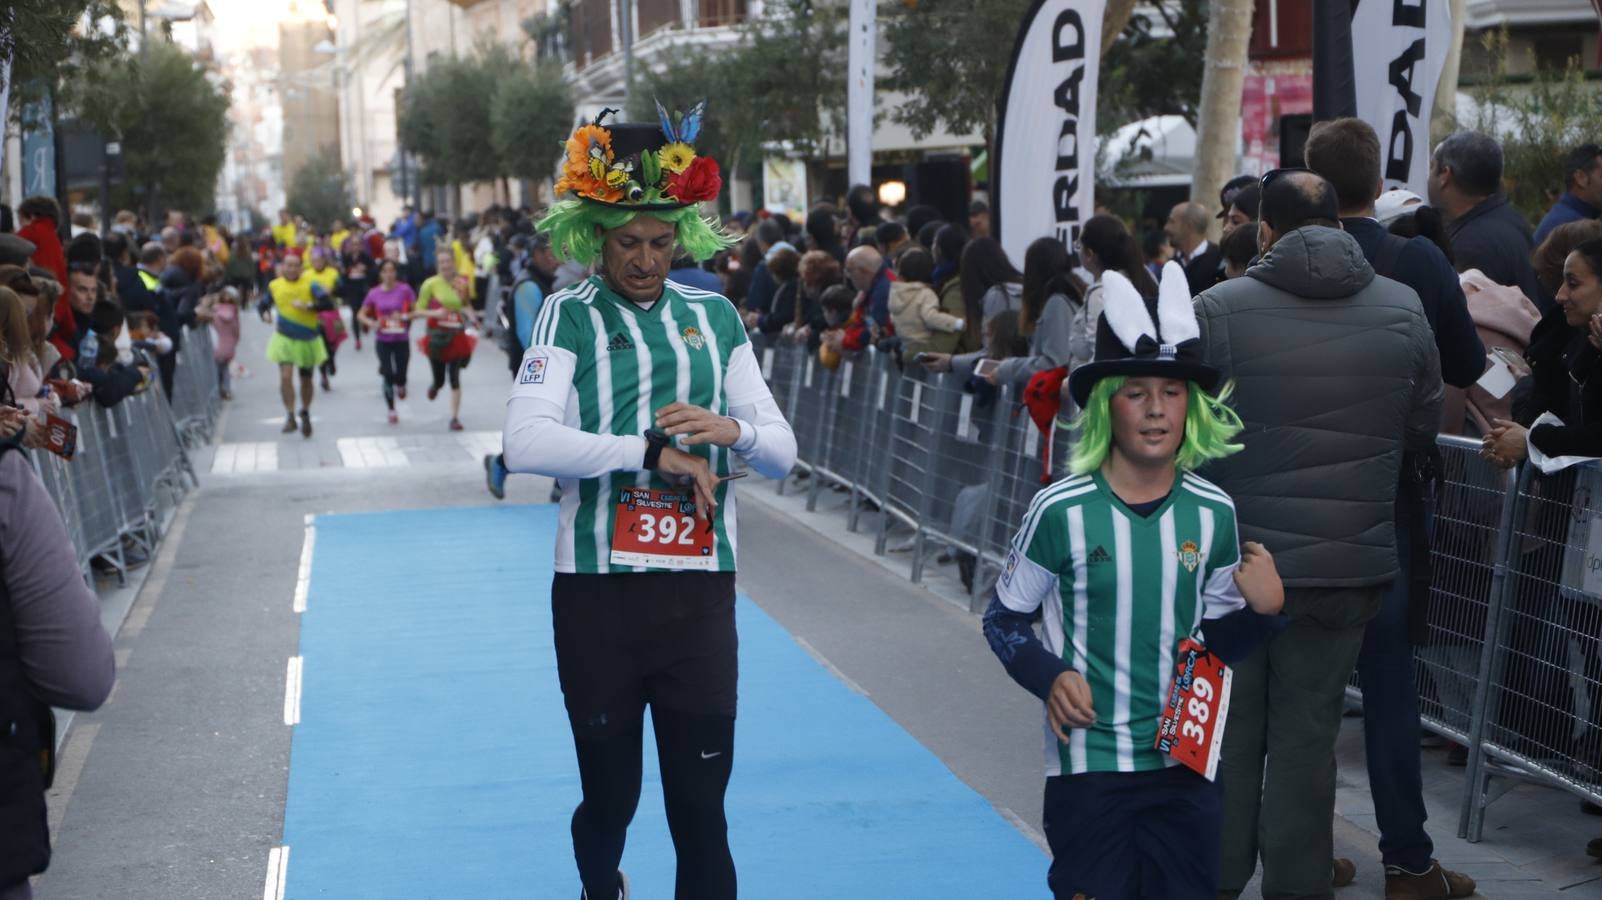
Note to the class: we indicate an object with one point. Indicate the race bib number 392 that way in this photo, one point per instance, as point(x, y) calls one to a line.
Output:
point(659, 530)
point(1192, 727)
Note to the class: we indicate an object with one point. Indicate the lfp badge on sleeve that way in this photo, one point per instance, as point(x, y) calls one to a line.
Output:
point(1192, 727)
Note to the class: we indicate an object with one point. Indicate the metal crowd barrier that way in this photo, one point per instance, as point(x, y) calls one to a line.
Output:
point(1512, 663)
point(196, 398)
point(131, 466)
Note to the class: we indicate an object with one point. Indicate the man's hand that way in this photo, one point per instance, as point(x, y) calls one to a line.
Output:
point(697, 471)
point(1258, 580)
point(702, 425)
point(1070, 704)
point(937, 362)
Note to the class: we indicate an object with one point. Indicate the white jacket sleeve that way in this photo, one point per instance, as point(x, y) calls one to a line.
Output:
point(766, 442)
point(542, 435)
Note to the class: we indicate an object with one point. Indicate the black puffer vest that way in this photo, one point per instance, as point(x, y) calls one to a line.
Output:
point(24, 832)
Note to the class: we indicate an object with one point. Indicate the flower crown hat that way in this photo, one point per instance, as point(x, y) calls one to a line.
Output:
point(614, 172)
point(1130, 342)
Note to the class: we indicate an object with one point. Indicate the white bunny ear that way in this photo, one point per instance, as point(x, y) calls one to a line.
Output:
point(1124, 310)
point(1175, 311)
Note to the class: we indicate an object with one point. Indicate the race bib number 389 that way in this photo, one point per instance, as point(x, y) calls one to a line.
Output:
point(659, 530)
point(1192, 727)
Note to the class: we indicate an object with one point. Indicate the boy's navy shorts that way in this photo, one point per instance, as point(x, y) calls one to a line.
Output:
point(1133, 835)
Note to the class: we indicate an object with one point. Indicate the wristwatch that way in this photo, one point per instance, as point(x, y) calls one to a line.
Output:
point(654, 442)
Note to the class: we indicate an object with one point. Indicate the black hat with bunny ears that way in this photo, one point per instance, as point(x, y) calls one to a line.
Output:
point(1130, 342)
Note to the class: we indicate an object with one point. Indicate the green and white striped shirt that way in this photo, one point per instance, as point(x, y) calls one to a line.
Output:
point(1120, 591)
point(597, 368)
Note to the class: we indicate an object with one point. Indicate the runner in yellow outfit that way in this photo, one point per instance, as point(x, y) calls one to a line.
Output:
point(296, 342)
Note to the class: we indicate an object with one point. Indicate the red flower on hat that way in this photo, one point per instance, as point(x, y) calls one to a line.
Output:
point(700, 181)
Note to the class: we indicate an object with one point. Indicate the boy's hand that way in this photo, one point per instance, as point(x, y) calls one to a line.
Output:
point(1070, 704)
point(1258, 580)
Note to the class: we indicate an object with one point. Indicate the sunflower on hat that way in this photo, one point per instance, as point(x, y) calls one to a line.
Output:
point(615, 171)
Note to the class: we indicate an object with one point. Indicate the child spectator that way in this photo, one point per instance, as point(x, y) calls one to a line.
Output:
point(1240, 248)
point(837, 303)
point(111, 379)
point(223, 314)
point(914, 306)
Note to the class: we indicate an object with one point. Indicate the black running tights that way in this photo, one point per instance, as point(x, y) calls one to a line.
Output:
point(697, 755)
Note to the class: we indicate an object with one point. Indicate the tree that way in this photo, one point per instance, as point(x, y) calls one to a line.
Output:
point(1538, 120)
point(1218, 117)
point(751, 101)
point(172, 121)
point(950, 76)
point(320, 189)
point(1143, 75)
point(531, 114)
point(445, 112)
point(51, 43)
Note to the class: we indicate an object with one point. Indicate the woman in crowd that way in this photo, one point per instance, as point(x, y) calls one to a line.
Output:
point(388, 311)
point(24, 378)
point(60, 653)
point(949, 242)
point(990, 285)
point(823, 231)
point(443, 302)
point(1053, 315)
point(1557, 422)
point(1550, 256)
point(817, 272)
point(784, 264)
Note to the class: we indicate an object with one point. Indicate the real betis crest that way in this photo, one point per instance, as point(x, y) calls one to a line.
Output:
point(692, 337)
point(1190, 555)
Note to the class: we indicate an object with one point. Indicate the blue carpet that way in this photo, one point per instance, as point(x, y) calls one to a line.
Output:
point(433, 757)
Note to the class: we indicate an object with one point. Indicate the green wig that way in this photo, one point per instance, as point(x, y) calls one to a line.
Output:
point(573, 224)
point(1210, 426)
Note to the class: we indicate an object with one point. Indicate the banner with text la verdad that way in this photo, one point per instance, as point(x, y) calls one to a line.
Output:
point(1044, 173)
point(1398, 50)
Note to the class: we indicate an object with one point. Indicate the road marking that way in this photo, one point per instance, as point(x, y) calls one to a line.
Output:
point(69, 768)
point(244, 458)
point(303, 579)
point(292, 691)
point(277, 872)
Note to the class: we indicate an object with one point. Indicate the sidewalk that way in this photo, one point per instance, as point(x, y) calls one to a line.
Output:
point(1535, 837)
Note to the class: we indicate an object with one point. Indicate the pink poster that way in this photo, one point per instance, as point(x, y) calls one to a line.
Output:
point(1270, 91)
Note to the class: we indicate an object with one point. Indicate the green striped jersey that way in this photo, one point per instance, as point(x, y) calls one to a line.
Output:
point(627, 363)
point(1117, 592)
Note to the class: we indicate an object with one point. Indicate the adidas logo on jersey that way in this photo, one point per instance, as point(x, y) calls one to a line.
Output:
point(1100, 554)
point(620, 341)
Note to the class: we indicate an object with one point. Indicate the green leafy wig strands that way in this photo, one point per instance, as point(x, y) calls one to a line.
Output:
point(1210, 425)
point(572, 226)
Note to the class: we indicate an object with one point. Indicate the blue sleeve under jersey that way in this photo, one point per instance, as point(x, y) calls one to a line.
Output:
point(526, 303)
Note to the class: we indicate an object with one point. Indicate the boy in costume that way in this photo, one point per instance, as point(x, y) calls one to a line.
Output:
point(1123, 561)
point(638, 394)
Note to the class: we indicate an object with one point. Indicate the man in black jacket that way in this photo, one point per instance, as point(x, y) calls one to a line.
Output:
point(1487, 233)
point(1347, 153)
point(1335, 373)
point(1187, 232)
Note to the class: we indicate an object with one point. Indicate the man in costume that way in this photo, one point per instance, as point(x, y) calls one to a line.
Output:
point(297, 341)
point(638, 395)
point(1127, 561)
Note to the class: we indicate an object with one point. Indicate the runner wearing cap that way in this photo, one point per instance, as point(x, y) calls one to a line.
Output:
point(1127, 561)
point(638, 394)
